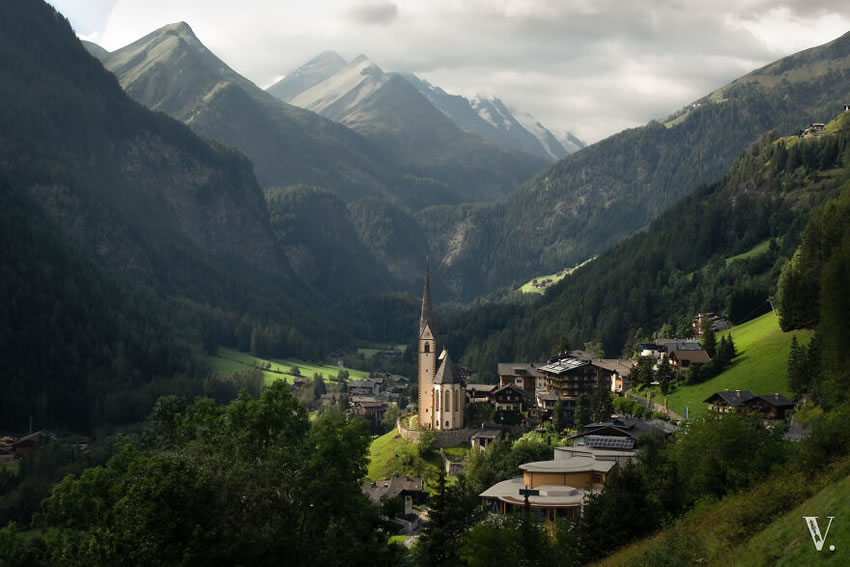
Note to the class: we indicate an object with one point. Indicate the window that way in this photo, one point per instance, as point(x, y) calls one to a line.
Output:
point(448, 400)
point(427, 347)
point(437, 399)
point(597, 478)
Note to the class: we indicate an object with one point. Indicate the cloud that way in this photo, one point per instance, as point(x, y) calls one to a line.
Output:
point(379, 14)
point(589, 66)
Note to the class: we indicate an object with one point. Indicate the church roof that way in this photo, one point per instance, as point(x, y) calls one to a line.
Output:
point(427, 316)
point(446, 373)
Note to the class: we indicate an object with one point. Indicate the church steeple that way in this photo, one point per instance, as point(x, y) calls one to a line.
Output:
point(426, 316)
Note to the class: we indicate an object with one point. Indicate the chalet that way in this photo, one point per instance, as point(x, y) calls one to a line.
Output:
point(682, 359)
point(508, 399)
point(478, 393)
point(524, 375)
point(409, 489)
point(847, 108)
point(557, 488)
point(546, 400)
point(813, 130)
point(718, 322)
point(370, 387)
point(618, 371)
point(729, 401)
point(774, 407)
point(571, 377)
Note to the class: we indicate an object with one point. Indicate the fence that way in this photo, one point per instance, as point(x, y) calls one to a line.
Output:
point(656, 407)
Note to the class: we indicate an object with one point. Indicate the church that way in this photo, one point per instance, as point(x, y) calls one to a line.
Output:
point(441, 391)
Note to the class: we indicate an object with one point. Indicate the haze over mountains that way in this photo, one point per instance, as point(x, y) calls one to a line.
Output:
point(330, 85)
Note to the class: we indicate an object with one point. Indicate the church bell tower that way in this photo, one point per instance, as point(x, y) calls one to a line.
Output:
point(427, 357)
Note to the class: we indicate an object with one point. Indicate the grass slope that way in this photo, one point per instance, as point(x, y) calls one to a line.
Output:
point(759, 527)
point(759, 367)
point(756, 250)
point(228, 360)
point(529, 287)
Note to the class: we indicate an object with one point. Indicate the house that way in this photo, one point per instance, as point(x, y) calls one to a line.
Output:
point(371, 410)
point(488, 433)
point(617, 371)
point(557, 488)
point(508, 399)
point(409, 489)
point(774, 407)
point(546, 400)
point(524, 375)
point(369, 387)
point(479, 393)
point(682, 359)
point(619, 434)
point(718, 322)
point(728, 401)
point(332, 398)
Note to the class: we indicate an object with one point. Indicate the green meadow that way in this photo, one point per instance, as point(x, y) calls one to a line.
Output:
point(759, 367)
point(228, 360)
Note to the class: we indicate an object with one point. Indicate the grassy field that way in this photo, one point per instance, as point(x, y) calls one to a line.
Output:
point(756, 250)
point(529, 287)
point(372, 350)
point(391, 455)
point(228, 360)
point(759, 367)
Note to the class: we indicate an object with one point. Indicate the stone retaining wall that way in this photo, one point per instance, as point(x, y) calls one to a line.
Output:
point(442, 439)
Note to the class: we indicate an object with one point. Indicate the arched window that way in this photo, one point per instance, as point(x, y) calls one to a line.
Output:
point(457, 400)
point(437, 398)
point(427, 347)
point(448, 400)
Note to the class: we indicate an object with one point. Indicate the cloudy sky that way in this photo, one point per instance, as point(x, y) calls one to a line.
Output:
point(593, 67)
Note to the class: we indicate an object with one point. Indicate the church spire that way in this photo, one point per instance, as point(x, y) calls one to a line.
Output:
point(426, 316)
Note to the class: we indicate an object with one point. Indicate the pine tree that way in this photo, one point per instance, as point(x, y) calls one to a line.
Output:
point(583, 414)
point(797, 371)
point(709, 340)
point(665, 375)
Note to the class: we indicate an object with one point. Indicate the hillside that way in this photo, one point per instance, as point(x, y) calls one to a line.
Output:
point(171, 233)
point(591, 200)
point(760, 366)
point(762, 526)
point(677, 267)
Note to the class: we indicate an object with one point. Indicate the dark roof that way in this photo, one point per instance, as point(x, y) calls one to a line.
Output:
point(426, 317)
point(380, 489)
point(487, 433)
point(736, 398)
point(623, 367)
point(609, 442)
point(508, 387)
point(446, 373)
point(481, 388)
point(518, 369)
point(775, 400)
point(693, 356)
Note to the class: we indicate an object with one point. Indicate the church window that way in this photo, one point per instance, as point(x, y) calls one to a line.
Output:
point(427, 347)
point(448, 400)
point(437, 397)
point(457, 400)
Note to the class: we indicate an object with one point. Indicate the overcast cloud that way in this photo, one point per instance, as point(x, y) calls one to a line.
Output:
point(593, 67)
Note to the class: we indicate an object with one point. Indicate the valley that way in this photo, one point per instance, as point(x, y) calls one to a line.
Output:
point(217, 348)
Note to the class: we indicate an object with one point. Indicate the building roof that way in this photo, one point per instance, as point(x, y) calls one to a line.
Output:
point(602, 454)
point(446, 373)
point(622, 367)
point(381, 489)
point(692, 356)
point(481, 388)
point(550, 496)
point(507, 387)
point(563, 366)
point(735, 398)
point(487, 433)
point(518, 369)
point(574, 464)
point(775, 400)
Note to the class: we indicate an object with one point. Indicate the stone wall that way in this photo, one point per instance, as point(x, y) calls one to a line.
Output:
point(442, 439)
point(656, 407)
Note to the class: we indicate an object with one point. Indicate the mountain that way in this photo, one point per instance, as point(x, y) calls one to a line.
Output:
point(592, 199)
point(392, 114)
point(171, 71)
point(720, 249)
point(321, 67)
point(130, 244)
point(491, 119)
